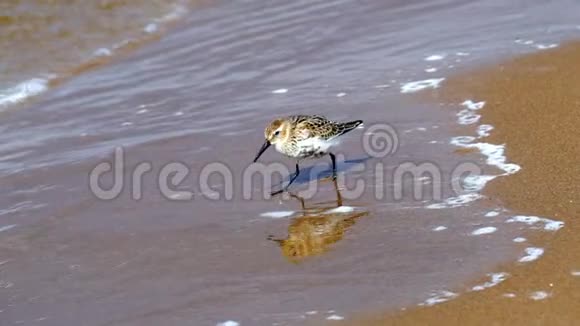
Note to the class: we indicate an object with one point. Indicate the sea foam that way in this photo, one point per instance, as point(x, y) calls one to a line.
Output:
point(415, 86)
point(23, 91)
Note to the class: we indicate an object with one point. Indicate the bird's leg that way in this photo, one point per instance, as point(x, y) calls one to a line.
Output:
point(338, 195)
point(333, 158)
point(301, 200)
point(289, 183)
point(294, 177)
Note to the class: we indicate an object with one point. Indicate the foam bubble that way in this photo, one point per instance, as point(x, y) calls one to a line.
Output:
point(7, 227)
point(431, 70)
point(483, 130)
point(334, 317)
point(509, 295)
point(476, 182)
point(439, 228)
point(418, 85)
point(278, 214)
point(539, 295)
point(280, 91)
point(495, 154)
point(435, 57)
point(23, 91)
point(439, 297)
point(526, 42)
point(340, 94)
point(495, 279)
point(473, 105)
point(462, 54)
point(532, 253)
point(151, 28)
point(519, 239)
point(491, 214)
point(462, 141)
point(484, 230)
point(546, 46)
point(467, 117)
point(103, 52)
point(451, 202)
point(549, 225)
point(312, 312)
point(575, 273)
point(229, 323)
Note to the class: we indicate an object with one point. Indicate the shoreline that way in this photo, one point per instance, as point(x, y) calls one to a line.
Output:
point(531, 103)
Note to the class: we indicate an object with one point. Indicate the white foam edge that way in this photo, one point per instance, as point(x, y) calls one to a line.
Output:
point(539, 295)
point(278, 214)
point(494, 153)
point(228, 323)
point(415, 86)
point(23, 91)
point(456, 201)
point(546, 46)
point(471, 105)
point(340, 209)
point(495, 279)
point(484, 130)
point(492, 213)
point(531, 254)
point(484, 230)
point(103, 52)
point(151, 28)
point(435, 57)
point(7, 227)
point(439, 297)
point(476, 182)
point(467, 117)
point(549, 225)
point(334, 317)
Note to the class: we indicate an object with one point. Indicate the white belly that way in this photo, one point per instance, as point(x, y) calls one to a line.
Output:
point(314, 147)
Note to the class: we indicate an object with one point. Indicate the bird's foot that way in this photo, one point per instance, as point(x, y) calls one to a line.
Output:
point(278, 192)
point(331, 178)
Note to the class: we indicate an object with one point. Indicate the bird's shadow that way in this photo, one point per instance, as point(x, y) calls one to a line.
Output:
point(320, 171)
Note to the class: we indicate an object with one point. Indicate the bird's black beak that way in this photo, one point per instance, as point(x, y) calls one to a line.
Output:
point(262, 150)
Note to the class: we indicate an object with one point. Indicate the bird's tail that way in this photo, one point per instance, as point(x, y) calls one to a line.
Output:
point(348, 126)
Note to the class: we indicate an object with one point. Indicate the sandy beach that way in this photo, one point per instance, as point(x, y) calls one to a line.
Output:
point(192, 84)
point(534, 103)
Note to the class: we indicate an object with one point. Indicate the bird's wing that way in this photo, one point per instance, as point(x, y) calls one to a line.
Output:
point(313, 126)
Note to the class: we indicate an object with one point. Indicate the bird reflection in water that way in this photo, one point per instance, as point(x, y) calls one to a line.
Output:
point(317, 229)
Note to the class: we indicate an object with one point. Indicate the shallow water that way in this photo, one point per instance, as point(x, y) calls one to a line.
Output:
point(202, 94)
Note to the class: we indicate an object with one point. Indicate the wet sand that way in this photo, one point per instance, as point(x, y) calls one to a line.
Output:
point(201, 95)
point(534, 103)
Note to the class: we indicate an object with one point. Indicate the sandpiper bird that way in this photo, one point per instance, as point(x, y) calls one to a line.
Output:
point(305, 136)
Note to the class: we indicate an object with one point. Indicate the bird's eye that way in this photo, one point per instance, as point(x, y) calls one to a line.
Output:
point(277, 133)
